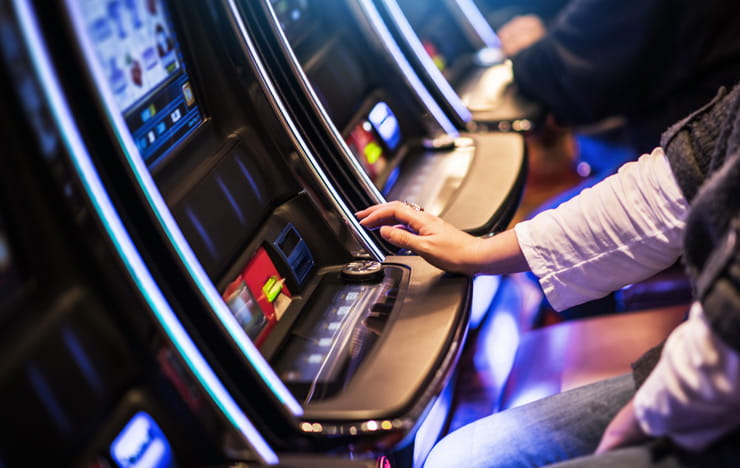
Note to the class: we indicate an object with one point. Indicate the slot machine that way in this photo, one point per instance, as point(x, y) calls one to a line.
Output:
point(326, 344)
point(458, 56)
point(97, 368)
point(375, 127)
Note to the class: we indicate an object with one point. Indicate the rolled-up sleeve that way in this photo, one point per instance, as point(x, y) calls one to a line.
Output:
point(622, 230)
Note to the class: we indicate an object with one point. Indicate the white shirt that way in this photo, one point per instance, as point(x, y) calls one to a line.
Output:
point(622, 230)
point(625, 229)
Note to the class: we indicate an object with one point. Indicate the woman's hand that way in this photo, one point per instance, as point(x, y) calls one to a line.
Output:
point(438, 242)
point(520, 33)
point(624, 430)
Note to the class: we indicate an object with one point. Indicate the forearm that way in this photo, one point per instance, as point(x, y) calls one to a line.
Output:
point(630, 224)
point(499, 254)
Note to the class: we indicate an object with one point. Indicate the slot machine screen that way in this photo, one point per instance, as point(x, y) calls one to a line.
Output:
point(384, 122)
point(141, 56)
point(367, 149)
point(258, 297)
point(142, 444)
point(374, 139)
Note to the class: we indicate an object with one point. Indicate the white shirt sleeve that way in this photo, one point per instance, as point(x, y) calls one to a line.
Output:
point(622, 230)
point(692, 394)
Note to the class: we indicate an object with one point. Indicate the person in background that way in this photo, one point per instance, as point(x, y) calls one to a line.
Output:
point(499, 12)
point(648, 61)
point(681, 406)
point(520, 32)
point(613, 76)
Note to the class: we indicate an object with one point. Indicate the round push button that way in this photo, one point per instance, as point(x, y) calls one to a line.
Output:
point(362, 270)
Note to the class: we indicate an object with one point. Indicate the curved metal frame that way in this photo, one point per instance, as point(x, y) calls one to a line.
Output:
point(305, 154)
point(426, 62)
point(390, 45)
point(159, 207)
point(475, 21)
point(125, 247)
point(357, 171)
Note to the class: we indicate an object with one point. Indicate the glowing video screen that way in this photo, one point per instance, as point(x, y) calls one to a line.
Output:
point(258, 297)
point(366, 147)
point(384, 122)
point(141, 57)
point(375, 138)
point(142, 444)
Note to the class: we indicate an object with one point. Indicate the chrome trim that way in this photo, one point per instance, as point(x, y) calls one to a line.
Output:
point(303, 150)
point(125, 247)
point(478, 22)
point(356, 168)
point(391, 46)
point(169, 225)
point(413, 40)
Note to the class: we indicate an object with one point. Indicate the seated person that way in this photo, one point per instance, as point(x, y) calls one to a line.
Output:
point(650, 61)
point(499, 12)
point(680, 407)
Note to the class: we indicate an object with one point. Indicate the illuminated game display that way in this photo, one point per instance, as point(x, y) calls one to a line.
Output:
point(384, 122)
point(367, 149)
point(142, 444)
point(373, 138)
point(258, 297)
point(141, 57)
point(439, 60)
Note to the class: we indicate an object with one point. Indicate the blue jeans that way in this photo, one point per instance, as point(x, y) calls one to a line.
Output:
point(564, 430)
point(556, 428)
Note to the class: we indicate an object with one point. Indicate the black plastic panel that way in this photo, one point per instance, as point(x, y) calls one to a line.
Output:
point(340, 80)
point(223, 209)
point(76, 334)
point(70, 371)
point(335, 334)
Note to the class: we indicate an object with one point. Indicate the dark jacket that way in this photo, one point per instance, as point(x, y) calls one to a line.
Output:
point(704, 153)
point(652, 61)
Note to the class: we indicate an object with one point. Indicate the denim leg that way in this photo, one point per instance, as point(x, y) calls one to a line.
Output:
point(632, 457)
point(556, 428)
point(661, 453)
